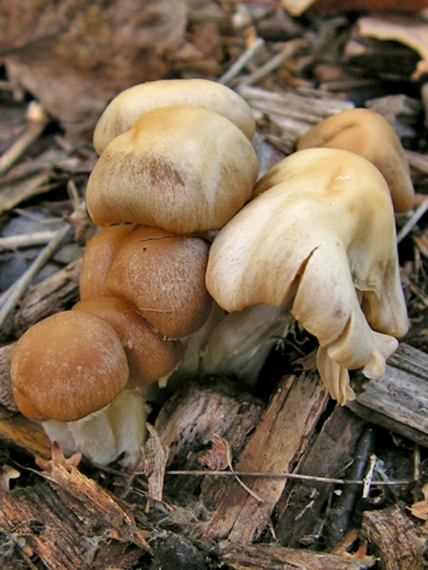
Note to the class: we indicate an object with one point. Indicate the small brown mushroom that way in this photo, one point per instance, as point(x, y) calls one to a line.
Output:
point(125, 109)
point(368, 134)
point(97, 258)
point(182, 168)
point(163, 276)
point(70, 372)
point(67, 366)
point(150, 356)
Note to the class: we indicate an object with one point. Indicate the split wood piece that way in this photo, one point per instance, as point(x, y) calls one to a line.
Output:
point(23, 434)
point(54, 294)
point(276, 445)
point(270, 557)
point(299, 520)
point(398, 400)
point(395, 539)
point(188, 420)
point(70, 521)
point(287, 116)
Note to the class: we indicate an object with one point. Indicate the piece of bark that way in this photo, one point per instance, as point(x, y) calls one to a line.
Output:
point(299, 509)
point(6, 397)
point(276, 445)
point(394, 538)
point(69, 520)
point(187, 421)
point(271, 557)
point(398, 400)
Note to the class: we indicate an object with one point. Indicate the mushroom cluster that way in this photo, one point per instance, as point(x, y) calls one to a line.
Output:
point(175, 161)
point(318, 236)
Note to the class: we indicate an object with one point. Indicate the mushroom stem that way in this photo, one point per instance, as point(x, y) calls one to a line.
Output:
point(103, 436)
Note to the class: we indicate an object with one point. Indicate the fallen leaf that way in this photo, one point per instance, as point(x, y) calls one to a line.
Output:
point(410, 31)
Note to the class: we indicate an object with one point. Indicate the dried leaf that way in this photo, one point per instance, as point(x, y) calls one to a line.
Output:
point(420, 508)
point(155, 460)
point(412, 32)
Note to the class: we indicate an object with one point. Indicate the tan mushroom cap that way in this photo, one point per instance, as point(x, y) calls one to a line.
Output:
point(368, 134)
point(150, 356)
point(324, 237)
point(125, 109)
point(97, 258)
point(185, 169)
point(163, 276)
point(67, 366)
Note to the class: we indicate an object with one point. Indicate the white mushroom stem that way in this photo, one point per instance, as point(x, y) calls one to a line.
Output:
point(236, 344)
point(103, 436)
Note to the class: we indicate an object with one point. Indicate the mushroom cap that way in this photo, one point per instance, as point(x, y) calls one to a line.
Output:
point(150, 356)
point(127, 107)
point(67, 366)
point(163, 276)
point(368, 134)
point(97, 258)
point(182, 168)
point(324, 237)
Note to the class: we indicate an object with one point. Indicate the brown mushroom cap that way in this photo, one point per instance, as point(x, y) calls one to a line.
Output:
point(368, 134)
point(185, 169)
point(67, 366)
point(125, 109)
point(150, 356)
point(163, 276)
point(97, 258)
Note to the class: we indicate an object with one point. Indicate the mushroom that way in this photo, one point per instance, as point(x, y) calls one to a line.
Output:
point(368, 134)
point(125, 109)
point(150, 356)
point(66, 370)
point(163, 276)
point(98, 256)
point(321, 236)
point(185, 169)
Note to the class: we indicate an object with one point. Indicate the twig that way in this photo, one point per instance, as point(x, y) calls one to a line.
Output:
point(10, 298)
point(408, 226)
point(274, 62)
point(368, 479)
point(26, 240)
point(299, 477)
point(38, 121)
point(242, 60)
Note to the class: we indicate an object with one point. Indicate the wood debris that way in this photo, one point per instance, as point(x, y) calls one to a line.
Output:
point(273, 476)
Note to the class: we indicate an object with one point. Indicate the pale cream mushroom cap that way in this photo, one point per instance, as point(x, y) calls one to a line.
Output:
point(324, 237)
point(185, 169)
point(368, 134)
point(127, 107)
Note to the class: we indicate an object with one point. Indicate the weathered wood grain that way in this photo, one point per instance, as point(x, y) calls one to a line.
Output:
point(276, 445)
